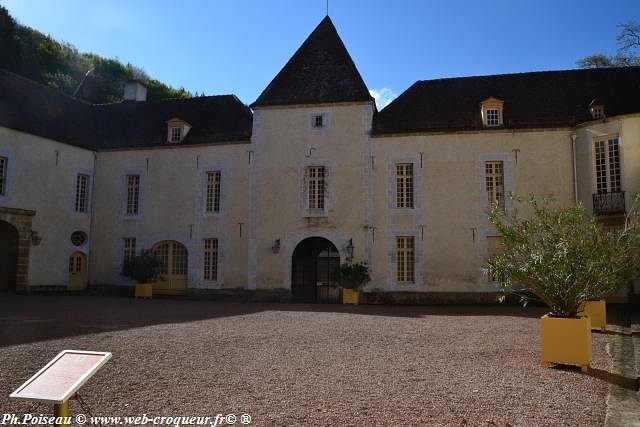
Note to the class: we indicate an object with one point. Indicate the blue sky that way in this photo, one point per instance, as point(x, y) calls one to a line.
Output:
point(238, 46)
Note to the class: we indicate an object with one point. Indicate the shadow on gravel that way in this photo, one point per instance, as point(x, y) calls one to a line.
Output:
point(601, 374)
point(616, 379)
point(32, 318)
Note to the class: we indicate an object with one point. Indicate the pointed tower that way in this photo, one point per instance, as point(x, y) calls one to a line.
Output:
point(321, 71)
point(310, 184)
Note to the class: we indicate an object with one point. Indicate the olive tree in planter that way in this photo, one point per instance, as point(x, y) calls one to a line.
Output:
point(352, 278)
point(144, 268)
point(565, 258)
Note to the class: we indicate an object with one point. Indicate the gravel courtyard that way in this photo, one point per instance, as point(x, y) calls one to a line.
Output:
point(303, 364)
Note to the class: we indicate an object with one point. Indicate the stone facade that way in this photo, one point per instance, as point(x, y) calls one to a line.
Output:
point(264, 188)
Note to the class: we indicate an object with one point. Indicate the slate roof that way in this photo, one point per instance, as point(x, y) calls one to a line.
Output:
point(531, 100)
point(133, 124)
point(321, 71)
point(33, 108)
point(39, 110)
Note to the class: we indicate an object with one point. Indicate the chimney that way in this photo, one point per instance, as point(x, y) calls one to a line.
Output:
point(134, 90)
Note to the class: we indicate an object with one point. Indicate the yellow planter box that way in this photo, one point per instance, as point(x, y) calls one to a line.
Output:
point(144, 290)
point(597, 311)
point(566, 341)
point(350, 296)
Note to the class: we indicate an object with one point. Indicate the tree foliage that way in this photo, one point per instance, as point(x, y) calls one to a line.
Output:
point(30, 53)
point(562, 255)
point(628, 53)
point(9, 42)
point(143, 268)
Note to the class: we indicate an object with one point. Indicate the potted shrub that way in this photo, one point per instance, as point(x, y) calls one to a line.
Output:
point(352, 278)
point(144, 269)
point(597, 312)
point(564, 258)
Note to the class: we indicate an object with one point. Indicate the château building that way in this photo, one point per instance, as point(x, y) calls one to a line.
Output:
point(262, 201)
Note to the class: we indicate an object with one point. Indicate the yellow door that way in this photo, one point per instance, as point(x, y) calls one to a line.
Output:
point(173, 270)
point(77, 271)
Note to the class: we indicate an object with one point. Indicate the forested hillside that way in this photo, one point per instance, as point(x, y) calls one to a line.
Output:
point(30, 53)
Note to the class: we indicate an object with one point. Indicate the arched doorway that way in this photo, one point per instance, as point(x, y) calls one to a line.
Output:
point(312, 265)
point(8, 256)
point(77, 271)
point(173, 271)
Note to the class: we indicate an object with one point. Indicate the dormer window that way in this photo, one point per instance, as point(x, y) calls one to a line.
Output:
point(491, 112)
point(176, 134)
point(177, 130)
point(597, 111)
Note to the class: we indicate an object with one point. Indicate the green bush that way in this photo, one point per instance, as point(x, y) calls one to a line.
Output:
point(562, 255)
point(353, 276)
point(143, 268)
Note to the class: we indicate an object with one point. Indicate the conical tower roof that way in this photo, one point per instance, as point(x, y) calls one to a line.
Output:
point(321, 71)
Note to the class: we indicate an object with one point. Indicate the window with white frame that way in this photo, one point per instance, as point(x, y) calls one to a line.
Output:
point(607, 166)
point(177, 130)
point(597, 111)
point(133, 194)
point(212, 199)
point(4, 165)
point(404, 185)
point(491, 111)
point(315, 187)
point(494, 182)
point(176, 134)
point(129, 249)
point(82, 190)
point(493, 117)
point(210, 260)
point(405, 259)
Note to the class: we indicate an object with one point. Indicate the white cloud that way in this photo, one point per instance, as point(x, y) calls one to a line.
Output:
point(383, 96)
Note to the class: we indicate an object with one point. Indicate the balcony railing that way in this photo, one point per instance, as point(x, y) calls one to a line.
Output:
point(608, 203)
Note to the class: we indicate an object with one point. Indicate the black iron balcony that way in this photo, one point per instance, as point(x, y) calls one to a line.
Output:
point(608, 203)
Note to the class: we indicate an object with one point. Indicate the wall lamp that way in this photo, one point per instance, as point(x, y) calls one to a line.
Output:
point(349, 250)
point(276, 246)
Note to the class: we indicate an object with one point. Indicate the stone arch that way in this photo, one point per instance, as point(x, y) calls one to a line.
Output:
point(312, 262)
point(15, 225)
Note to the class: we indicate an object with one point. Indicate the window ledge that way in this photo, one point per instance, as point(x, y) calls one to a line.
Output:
point(209, 285)
point(212, 214)
point(404, 287)
point(315, 213)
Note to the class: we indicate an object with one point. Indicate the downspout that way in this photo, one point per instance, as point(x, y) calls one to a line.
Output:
point(575, 169)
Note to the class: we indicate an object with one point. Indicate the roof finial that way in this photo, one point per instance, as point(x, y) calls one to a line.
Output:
point(327, 7)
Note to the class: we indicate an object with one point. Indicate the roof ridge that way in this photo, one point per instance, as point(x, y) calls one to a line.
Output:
point(520, 73)
point(190, 99)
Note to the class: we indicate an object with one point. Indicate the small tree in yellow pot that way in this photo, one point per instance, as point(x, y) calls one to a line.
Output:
point(352, 277)
point(144, 269)
point(565, 258)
